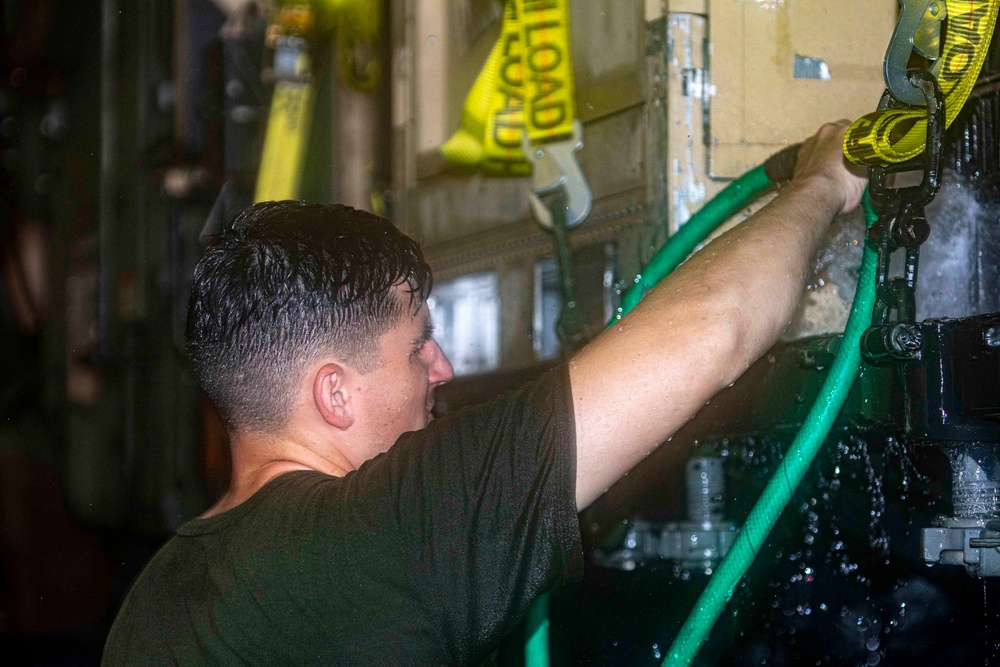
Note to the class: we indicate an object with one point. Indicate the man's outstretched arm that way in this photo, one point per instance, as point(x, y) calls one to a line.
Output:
point(703, 326)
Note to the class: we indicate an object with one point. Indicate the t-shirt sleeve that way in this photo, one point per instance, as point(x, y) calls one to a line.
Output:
point(485, 499)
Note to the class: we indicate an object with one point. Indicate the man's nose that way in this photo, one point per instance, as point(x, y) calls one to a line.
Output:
point(439, 370)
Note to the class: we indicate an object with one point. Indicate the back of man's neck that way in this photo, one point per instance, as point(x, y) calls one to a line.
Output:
point(258, 460)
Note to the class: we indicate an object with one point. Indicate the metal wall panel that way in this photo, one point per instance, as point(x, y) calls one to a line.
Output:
point(763, 53)
point(608, 56)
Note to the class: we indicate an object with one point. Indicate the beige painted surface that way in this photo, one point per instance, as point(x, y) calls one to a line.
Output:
point(687, 156)
point(354, 143)
point(431, 41)
point(758, 106)
point(686, 6)
point(608, 55)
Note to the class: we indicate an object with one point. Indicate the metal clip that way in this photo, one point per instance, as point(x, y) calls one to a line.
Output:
point(554, 167)
point(903, 224)
point(918, 29)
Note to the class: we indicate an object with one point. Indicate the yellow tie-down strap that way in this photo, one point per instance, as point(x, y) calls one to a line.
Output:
point(286, 142)
point(358, 27)
point(897, 135)
point(526, 85)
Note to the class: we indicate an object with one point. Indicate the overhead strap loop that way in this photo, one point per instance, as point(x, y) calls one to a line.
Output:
point(899, 134)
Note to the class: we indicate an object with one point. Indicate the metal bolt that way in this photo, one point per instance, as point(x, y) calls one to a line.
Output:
point(991, 336)
point(905, 338)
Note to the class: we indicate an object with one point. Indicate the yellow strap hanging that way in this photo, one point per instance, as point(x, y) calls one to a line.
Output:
point(526, 85)
point(358, 23)
point(897, 135)
point(283, 160)
point(465, 147)
point(286, 139)
point(502, 152)
point(549, 110)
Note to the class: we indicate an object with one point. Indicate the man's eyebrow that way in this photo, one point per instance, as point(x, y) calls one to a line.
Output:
point(425, 335)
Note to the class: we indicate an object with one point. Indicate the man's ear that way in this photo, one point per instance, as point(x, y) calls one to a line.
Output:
point(331, 398)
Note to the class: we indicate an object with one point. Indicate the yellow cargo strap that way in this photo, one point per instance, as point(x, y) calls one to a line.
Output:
point(285, 144)
point(899, 134)
point(358, 24)
point(286, 140)
point(520, 116)
point(504, 127)
point(549, 109)
point(526, 84)
point(465, 147)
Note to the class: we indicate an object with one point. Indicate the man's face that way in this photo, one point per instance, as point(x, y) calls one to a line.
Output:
point(399, 395)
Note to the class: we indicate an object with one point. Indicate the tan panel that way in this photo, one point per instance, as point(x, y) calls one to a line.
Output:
point(685, 7)
point(431, 46)
point(759, 105)
point(608, 55)
point(689, 184)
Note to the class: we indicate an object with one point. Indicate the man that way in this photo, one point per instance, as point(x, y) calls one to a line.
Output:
point(351, 533)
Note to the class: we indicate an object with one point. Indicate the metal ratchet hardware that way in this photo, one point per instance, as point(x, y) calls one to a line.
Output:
point(554, 167)
point(903, 224)
point(919, 30)
point(560, 199)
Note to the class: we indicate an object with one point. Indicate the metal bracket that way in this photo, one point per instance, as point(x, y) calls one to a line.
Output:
point(972, 543)
point(695, 83)
point(692, 545)
point(698, 543)
point(554, 167)
point(918, 29)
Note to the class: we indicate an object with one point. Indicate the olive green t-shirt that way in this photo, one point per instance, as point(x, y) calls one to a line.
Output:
point(426, 555)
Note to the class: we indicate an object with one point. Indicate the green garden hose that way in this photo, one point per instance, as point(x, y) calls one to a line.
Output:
point(733, 198)
point(838, 383)
point(789, 473)
point(536, 649)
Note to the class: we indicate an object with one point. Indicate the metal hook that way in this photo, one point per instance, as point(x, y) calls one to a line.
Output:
point(554, 167)
point(918, 29)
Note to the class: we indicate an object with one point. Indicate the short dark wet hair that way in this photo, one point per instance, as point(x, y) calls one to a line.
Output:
point(289, 282)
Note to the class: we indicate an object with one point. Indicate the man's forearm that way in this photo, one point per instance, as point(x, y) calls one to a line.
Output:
point(695, 333)
point(758, 269)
